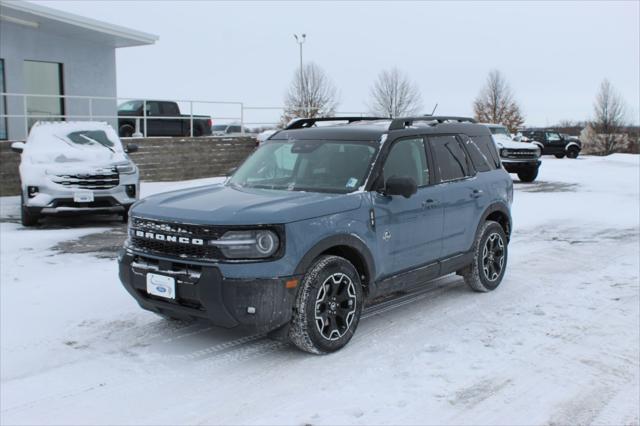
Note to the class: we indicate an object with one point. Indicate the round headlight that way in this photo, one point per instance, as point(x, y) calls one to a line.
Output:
point(266, 242)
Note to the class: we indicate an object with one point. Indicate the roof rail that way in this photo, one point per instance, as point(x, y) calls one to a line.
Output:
point(303, 123)
point(401, 123)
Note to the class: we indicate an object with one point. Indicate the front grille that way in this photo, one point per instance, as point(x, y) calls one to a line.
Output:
point(176, 249)
point(100, 179)
point(520, 154)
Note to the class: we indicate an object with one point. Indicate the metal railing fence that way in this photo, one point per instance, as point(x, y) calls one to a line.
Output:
point(230, 112)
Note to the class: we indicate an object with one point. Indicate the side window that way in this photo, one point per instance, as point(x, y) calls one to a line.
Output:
point(170, 109)
point(478, 158)
point(450, 158)
point(153, 108)
point(553, 137)
point(407, 158)
point(233, 129)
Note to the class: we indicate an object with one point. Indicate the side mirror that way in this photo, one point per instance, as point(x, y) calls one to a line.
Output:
point(404, 186)
point(18, 147)
point(131, 147)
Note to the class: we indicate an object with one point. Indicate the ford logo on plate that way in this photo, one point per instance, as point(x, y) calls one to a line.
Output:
point(161, 289)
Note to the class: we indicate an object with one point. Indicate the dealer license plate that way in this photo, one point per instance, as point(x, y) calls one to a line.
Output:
point(161, 285)
point(83, 197)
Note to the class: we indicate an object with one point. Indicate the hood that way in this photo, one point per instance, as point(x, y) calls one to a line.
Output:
point(226, 205)
point(73, 144)
point(506, 142)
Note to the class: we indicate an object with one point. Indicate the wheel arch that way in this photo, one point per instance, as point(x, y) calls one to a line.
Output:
point(572, 144)
point(347, 246)
point(498, 212)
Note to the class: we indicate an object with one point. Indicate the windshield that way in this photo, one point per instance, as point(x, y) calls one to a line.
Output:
point(500, 131)
point(219, 127)
point(314, 166)
point(130, 106)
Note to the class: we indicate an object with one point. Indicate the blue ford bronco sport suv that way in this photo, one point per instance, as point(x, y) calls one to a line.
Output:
point(321, 218)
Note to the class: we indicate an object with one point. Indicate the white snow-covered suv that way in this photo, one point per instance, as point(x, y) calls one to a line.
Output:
point(75, 167)
point(516, 157)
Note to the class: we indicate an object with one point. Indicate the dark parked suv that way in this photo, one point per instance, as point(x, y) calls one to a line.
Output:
point(320, 218)
point(551, 142)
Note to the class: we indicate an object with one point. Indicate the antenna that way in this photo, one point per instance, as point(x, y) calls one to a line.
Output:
point(434, 109)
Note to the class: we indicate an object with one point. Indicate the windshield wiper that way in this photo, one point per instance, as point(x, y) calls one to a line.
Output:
point(98, 142)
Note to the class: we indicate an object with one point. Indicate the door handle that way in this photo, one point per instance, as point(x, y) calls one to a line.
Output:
point(476, 193)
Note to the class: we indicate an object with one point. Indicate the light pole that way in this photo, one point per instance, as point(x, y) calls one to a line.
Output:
point(300, 40)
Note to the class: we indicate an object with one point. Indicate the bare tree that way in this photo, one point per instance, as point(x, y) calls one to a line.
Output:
point(496, 104)
point(394, 95)
point(311, 94)
point(605, 134)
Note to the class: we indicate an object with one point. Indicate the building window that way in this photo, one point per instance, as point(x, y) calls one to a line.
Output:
point(3, 104)
point(43, 78)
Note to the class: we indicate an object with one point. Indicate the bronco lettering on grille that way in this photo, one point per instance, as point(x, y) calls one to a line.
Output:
point(169, 238)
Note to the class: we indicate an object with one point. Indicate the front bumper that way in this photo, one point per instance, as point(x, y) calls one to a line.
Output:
point(203, 292)
point(52, 199)
point(515, 166)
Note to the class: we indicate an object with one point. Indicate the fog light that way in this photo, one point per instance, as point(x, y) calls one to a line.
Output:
point(251, 310)
point(32, 191)
point(131, 191)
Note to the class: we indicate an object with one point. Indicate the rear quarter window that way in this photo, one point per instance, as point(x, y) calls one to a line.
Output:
point(488, 149)
point(480, 161)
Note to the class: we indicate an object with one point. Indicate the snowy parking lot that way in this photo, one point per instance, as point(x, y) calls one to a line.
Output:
point(557, 343)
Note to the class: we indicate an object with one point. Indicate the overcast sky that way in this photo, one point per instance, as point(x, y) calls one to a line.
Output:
point(554, 54)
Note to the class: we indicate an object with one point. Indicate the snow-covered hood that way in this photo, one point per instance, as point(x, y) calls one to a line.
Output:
point(502, 141)
point(74, 146)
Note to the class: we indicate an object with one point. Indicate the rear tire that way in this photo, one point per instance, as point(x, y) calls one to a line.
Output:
point(528, 175)
point(573, 152)
point(126, 131)
point(328, 306)
point(559, 155)
point(489, 259)
point(26, 217)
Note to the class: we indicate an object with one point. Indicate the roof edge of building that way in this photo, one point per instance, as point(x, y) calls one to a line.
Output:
point(139, 37)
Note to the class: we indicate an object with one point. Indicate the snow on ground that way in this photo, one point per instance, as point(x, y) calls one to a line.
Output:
point(557, 343)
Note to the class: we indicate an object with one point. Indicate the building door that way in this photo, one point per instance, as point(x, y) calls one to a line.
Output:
point(43, 79)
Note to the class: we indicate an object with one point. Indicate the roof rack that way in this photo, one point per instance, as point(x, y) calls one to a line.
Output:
point(303, 123)
point(401, 123)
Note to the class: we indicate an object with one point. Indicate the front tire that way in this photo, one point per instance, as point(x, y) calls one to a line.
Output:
point(489, 258)
point(27, 218)
point(125, 214)
point(328, 306)
point(528, 175)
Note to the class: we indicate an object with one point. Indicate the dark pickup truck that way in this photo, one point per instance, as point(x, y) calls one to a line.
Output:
point(163, 119)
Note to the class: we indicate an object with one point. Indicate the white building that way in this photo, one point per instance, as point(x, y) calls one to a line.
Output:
point(44, 51)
